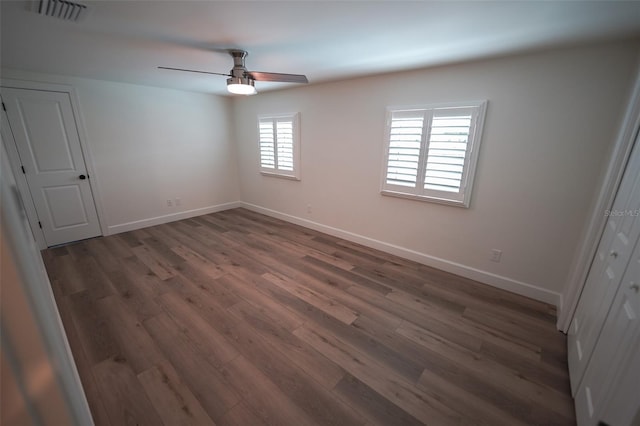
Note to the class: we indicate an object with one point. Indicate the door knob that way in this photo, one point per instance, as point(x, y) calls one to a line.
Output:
point(635, 287)
point(82, 177)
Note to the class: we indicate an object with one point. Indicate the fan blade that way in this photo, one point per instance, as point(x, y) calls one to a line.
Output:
point(274, 76)
point(201, 72)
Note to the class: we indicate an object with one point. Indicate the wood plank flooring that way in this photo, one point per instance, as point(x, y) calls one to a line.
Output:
point(236, 318)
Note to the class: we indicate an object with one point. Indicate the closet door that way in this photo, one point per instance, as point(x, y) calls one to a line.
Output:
point(609, 391)
point(613, 254)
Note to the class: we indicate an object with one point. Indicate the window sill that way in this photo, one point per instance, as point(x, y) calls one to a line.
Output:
point(281, 176)
point(426, 198)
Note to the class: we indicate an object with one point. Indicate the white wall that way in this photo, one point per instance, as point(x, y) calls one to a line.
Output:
point(150, 144)
point(550, 121)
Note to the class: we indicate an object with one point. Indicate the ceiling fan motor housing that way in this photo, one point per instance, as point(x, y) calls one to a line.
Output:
point(247, 81)
point(239, 70)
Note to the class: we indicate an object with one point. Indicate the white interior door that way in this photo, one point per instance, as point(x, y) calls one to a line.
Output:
point(610, 388)
point(613, 254)
point(46, 137)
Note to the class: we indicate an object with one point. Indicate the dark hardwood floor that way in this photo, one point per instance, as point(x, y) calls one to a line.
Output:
point(236, 318)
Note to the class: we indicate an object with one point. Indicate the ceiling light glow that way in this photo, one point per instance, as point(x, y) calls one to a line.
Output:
point(241, 86)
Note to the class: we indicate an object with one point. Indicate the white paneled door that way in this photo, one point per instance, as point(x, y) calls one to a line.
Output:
point(609, 390)
point(612, 257)
point(46, 137)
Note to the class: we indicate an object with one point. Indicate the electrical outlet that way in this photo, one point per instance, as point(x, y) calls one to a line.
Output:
point(495, 255)
point(169, 203)
point(178, 201)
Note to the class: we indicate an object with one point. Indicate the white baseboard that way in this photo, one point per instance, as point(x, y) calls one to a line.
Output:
point(505, 283)
point(158, 220)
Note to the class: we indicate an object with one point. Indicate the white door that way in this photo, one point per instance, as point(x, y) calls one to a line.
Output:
point(610, 389)
point(622, 406)
point(46, 137)
point(613, 254)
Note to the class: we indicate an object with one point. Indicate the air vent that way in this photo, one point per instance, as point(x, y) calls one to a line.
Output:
point(61, 9)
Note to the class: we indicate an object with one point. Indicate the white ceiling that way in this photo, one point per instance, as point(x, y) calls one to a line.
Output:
point(326, 40)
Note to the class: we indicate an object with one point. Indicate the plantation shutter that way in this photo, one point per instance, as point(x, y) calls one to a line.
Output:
point(405, 142)
point(284, 144)
point(448, 144)
point(431, 152)
point(279, 145)
point(267, 144)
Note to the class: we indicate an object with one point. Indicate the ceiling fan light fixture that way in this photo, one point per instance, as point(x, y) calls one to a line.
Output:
point(241, 86)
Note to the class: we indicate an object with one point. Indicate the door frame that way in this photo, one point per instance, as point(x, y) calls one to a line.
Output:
point(14, 158)
point(586, 252)
point(36, 328)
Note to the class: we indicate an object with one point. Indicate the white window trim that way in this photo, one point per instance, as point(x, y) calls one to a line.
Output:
point(275, 172)
point(462, 199)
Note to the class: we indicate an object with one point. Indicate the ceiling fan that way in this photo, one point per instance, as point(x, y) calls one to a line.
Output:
point(241, 81)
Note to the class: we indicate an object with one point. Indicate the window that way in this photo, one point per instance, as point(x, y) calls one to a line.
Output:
point(431, 152)
point(280, 145)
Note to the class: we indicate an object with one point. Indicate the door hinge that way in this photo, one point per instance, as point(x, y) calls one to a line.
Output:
point(40, 224)
point(4, 107)
point(23, 172)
